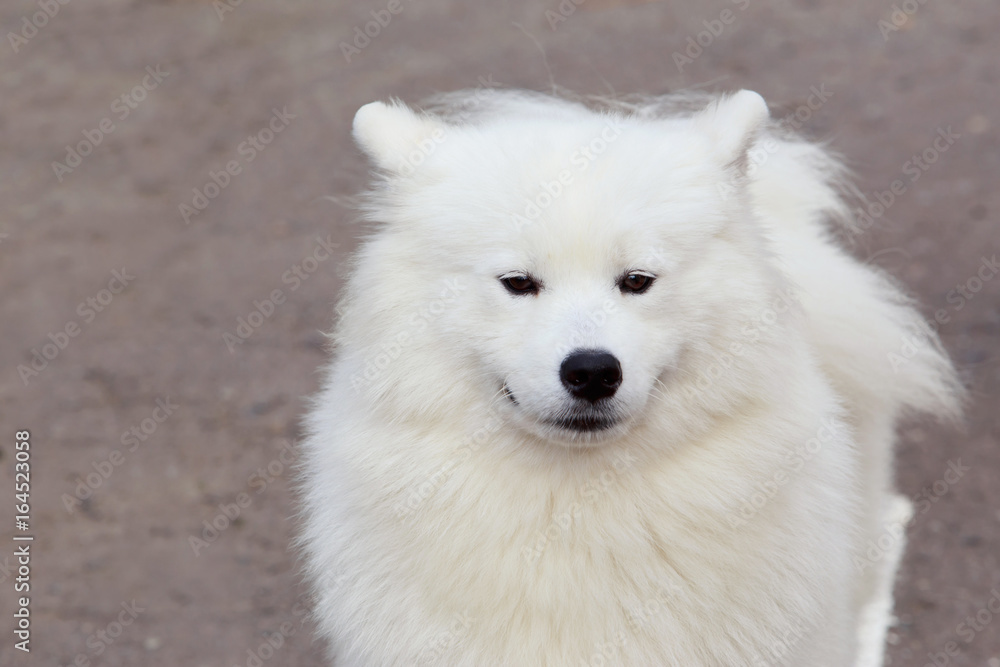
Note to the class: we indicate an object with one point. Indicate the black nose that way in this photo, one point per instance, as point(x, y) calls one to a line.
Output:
point(591, 374)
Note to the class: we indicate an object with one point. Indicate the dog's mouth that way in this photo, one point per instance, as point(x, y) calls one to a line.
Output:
point(584, 423)
point(574, 421)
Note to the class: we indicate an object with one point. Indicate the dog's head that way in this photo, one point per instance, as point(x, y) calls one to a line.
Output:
point(598, 260)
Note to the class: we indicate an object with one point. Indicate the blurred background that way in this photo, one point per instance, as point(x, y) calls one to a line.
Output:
point(175, 181)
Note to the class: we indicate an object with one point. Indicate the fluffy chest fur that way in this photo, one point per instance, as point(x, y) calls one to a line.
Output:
point(469, 547)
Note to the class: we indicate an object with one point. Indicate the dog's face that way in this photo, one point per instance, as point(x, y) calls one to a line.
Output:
point(597, 252)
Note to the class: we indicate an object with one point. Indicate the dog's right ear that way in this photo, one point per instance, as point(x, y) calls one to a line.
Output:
point(394, 137)
point(732, 124)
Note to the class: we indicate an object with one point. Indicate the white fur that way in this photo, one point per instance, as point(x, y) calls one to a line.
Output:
point(721, 520)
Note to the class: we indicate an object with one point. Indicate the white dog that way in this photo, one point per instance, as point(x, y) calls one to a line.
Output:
point(606, 392)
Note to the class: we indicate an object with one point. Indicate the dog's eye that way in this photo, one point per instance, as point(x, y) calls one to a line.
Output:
point(635, 283)
point(519, 284)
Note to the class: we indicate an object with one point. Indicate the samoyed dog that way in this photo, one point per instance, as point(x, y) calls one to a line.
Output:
point(606, 391)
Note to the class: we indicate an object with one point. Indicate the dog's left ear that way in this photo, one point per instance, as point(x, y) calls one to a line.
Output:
point(732, 123)
point(394, 136)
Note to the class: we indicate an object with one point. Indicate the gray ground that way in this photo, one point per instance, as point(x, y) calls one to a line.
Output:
point(63, 235)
